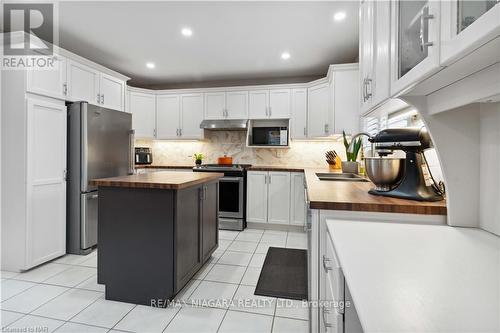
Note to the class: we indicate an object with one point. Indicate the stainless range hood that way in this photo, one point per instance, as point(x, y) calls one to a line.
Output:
point(233, 124)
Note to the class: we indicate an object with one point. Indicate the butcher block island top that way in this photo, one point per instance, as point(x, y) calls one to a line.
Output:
point(168, 180)
point(354, 196)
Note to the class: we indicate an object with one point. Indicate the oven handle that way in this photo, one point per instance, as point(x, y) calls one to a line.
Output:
point(231, 179)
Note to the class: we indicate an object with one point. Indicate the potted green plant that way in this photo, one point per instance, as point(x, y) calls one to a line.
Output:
point(351, 166)
point(198, 158)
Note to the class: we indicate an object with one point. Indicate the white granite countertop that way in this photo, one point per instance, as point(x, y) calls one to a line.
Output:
point(420, 278)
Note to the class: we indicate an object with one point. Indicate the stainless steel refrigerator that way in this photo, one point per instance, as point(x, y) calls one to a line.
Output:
point(100, 145)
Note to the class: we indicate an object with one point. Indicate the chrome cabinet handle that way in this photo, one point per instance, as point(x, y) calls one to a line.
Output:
point(424, 17)
point(269, 178)
point(325, 261)
point(65, 89)
point(324, 312)
point(102, 99)
point(98, 98)
point(267, 111)
point(326, 128)
point(270, 111)
point(305, 131)
point(368, 92)
point(180, 131)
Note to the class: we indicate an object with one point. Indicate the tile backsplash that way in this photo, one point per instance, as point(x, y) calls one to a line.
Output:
point(233, 143)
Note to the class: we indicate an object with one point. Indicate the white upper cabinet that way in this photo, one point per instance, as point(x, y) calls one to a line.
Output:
point(415, 42)
point(167, 116)
point(226, 105)
point(299, 113)
point(279, 103)
point(237, 104)
point(274, 103)
point(112, 92)
point(279, 198)
point(466, 25)
point(215, 105)
point(83, 83)
point(49, 82)
point(345, 101)
point(318, 105)
point(191, 116)
point(142, 106)
point(258, 103)
point(374, 50)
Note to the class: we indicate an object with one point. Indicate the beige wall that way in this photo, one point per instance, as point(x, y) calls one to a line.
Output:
point(217, 143)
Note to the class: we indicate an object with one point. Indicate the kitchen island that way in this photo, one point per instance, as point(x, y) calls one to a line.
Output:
point(155, 232)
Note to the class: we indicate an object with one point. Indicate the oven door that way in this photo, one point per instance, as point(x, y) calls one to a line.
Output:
point(231, 197)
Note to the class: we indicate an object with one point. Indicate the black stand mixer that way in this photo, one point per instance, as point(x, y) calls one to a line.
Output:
point(413, 185)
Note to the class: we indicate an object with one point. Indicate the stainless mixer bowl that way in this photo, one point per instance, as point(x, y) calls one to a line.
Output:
point(384, 172)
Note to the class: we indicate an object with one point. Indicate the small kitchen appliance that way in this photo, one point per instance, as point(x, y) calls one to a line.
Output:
point(232, 194)
point(415, 182)
point(143, 155)
point(269, 136)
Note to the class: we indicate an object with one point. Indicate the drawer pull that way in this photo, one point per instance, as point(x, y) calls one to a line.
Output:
point(325, 262)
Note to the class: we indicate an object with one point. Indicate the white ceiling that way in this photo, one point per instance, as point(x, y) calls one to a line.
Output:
point(231, 40)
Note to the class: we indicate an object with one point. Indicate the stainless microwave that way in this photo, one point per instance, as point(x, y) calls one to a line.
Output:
point(269, 136)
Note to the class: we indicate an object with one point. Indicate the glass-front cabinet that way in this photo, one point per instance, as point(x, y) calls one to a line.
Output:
point(414, 42)
point(466, 25)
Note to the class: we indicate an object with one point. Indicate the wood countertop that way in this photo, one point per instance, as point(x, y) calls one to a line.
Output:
point(354, 196)
point(156, 166)
point(166, 180)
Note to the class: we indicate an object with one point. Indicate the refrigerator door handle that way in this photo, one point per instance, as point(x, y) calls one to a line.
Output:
point(84, 152)
point(131, 152)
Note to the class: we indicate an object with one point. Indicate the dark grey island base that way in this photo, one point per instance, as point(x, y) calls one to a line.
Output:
point(151, 241)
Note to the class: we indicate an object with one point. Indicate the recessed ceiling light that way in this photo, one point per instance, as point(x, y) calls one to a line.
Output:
point(285, 56)
point(339, 16)
point(150, 65)
point(187, 32)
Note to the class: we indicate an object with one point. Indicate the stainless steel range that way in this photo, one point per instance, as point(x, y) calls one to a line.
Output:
point(232, 194)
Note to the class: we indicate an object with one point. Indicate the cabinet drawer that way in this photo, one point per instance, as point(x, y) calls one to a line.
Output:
point(332, 319)
point(333, 271)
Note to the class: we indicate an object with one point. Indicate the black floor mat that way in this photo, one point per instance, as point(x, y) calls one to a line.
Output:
point(284, 274)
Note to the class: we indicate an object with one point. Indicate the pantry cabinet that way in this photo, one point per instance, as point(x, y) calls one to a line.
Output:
point(299, 113)
point(85, 83)
point(466, 25)
point(49, 82)
point(142, 106)
point(414, 42)
point(226, 105)
point(274, 104)
point(273, 197)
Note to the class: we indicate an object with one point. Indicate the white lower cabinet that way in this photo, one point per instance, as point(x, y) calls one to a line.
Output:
point(272, 197)
point(278, 210)
point(33, 180)
point(257, 196)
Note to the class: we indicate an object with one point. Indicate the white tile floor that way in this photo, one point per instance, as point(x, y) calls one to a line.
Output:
point(63, 296)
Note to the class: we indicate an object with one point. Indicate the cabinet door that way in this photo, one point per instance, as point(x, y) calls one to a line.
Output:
point(366, 31)
point(237, 104)
point(279, 103)
point(215, 105)
point(415, 42)
point(279, 198)
point(83, 83)
point(317, 110)
point(167, 116)
point(191, 116)
point(49, 82)
point(298, 200)
point(379, 86)
point(46, 183)
point(258, 104)
point(257, 196)
point(299, 113)
point(142, 106)
point(112, 92)
point(210, 219)
point(346, 97)
point(466, 25)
